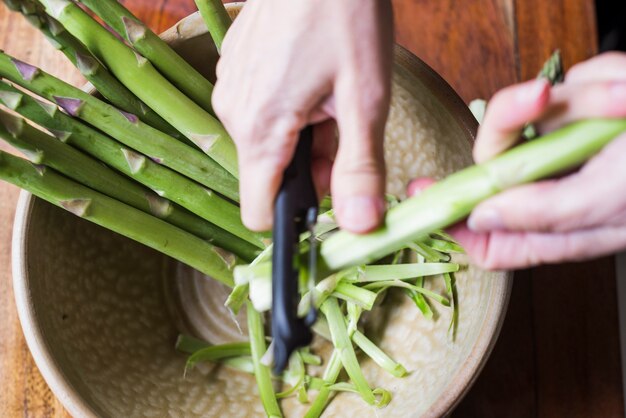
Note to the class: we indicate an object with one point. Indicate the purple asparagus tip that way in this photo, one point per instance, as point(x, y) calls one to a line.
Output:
point(27, 71)
point(70, 105)
point(131, 118)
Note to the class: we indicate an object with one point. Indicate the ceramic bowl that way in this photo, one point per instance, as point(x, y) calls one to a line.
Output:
point(101, 313)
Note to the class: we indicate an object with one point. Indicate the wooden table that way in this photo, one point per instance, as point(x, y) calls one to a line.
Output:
point(558, 354)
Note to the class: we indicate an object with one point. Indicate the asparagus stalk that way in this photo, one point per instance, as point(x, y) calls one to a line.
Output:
point(452, 199)
point(116, 216)
point(148, 44)
point(106, 84)
point(45, 149)
point(261, 371)
point(124, 127)
point(169, 184)
point(216, 19)
point(139, 76)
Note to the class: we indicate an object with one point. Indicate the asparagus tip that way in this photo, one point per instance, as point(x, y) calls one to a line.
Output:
point(136, 162)
point(55, 27)
point(159, 207)
point(205, 142)
point(49, 108)
point(12, 124)
point(11, 99)
point(141, 61)
point(86, 65)
point(27, 71)
point(229, 258)
point(143, 107)
point(129, 116)
point(56, 7)
point(33, 19)
point(55, 44)
point(134, 30)
point(71, 105)
point(62, 136)
point(78, 207)
point(41, 169)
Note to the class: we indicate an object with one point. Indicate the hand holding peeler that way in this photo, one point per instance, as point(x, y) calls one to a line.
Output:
point(295, 212)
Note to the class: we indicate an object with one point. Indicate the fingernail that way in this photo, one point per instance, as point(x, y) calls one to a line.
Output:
point(532, 91)
point(360, 214)
point(485, 220)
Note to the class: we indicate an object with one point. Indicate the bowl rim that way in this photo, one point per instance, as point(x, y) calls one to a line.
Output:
point(460, 383)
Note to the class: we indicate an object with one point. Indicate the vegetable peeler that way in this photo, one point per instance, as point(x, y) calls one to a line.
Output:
point(295, 212)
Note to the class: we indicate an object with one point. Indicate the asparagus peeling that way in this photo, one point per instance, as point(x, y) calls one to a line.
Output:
point(350, 289)
point(452, 199)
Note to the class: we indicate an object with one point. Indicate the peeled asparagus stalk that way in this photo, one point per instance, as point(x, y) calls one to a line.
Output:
point(116, 216)
point(41, 148)
point(157, 51)
point(140, 77)
point(452, 199)
point(124, 127)
point(106, 84)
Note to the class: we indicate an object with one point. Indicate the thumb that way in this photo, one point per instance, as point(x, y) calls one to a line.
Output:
point(358, 178)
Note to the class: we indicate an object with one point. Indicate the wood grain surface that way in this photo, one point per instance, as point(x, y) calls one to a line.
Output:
point(558, 354)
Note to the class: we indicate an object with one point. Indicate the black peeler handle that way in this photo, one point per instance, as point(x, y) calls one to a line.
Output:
point(296, 204)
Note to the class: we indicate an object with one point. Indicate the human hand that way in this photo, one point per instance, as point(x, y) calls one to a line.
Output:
point(576, 217)
point(286, 64)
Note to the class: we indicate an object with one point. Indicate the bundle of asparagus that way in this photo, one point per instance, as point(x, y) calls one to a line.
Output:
point(170, 182)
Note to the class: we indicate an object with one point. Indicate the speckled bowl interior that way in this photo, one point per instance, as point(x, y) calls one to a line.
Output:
point(101, 313)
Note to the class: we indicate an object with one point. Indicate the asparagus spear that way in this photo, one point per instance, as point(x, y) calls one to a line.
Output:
point(138, 74)
point(148, 44)
point(216, 19)
point(41, 148)
point(169, 184)
point(106, 84)
point(552, 71)
point(124, 127)
point(452, 199)
point(116, 216)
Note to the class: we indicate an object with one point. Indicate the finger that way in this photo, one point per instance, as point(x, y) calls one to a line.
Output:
point(261, 167)
point(572, 102)
point(557, 205)
point(604, 67)
point(418, 185)
point(323, 155)
point(513, 250)
point(507, 114)
point(359, 173)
